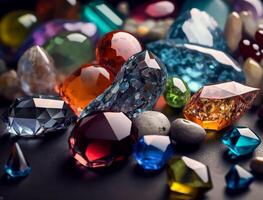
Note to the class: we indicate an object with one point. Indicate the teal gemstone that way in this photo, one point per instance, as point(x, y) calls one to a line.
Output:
point(103, 15)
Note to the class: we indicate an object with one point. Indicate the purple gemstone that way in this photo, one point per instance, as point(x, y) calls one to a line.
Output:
point(254, 6)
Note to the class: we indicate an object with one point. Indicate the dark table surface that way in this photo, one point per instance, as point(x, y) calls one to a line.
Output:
point(55, 176)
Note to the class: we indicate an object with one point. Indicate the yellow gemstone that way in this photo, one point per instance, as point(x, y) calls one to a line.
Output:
point(15, 26)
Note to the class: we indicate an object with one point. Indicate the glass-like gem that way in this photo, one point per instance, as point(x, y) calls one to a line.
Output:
point(197, 27)
point(17, 165)
point(249, 49)
point(36, 72)
point(153, 151)
point(135, 89)
point(188, 178)
point(218, 106)
point(253, 6)
point(70, 50)
point(241, 141)
point(15, 26)
point(84, 85)
point(238, 178)
point(34, 116)
point(197, 65)
point(259, 37)
point(176, 92)
point(102, 139)
point(103, 15)
point(115, 48)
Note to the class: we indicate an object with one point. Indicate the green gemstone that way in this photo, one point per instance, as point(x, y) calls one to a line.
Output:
point(176, 92)
point(188, 177)
point(103, 15)
point(70, 50)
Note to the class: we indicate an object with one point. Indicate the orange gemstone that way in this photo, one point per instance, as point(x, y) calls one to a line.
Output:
point(115, 48)
point(84, 85)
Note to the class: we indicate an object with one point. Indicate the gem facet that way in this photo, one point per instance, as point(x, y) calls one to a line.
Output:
point(84, 85)
point(136, 88)
point(33, 116)
point(238, 178)
point(102, 139)
point(218, 106)
point(17, 166)
point(197, 65)
point(188, 177)
point(241, 141)
point(152, 151)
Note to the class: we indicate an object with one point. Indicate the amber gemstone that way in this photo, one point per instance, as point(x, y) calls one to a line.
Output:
point(115, 48)
point(84, 85)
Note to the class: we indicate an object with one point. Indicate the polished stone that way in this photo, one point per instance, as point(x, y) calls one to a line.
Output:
point(253, 73)
point(253, 6)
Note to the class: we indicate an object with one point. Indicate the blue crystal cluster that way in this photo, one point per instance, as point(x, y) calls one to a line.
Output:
point(197, 65)
point(136, 88)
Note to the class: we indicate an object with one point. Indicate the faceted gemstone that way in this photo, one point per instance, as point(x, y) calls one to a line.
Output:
point(102, 139)
point(241, 141)
point(34, 116)
point(238, 178)
point(176, 92)
point(84, 85)
point(188, 178)
point(253, 6)
point(17, 166)
point(197, 65)
point(249, 49)
point(153, 151)
point(197, 27)
point(136, 88)
point(61, 9)
point(15, 26)
point(103, 15)
point(36, 72)
point(115, 48)
point(70, 50)
point(218, 106)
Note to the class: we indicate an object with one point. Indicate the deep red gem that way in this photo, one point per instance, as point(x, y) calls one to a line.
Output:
point(259, 37)
point(250, 49)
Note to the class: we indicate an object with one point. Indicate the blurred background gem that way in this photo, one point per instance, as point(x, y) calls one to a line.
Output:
point(253, 6)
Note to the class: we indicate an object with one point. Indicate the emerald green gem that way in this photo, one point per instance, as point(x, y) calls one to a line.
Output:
point(176, 92)
point(103, 15)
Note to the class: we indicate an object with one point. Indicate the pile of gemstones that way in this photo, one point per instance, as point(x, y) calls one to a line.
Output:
point(100, 72)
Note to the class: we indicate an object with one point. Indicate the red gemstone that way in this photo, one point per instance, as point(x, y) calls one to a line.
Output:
point(249, 49)
point(115, 48)
point(259, 37)
point(103, 138)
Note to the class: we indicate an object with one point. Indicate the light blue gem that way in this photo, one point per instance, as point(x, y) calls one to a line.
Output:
point(197, 65)
point(241, 141)
point(152, 151)
point(238, 178)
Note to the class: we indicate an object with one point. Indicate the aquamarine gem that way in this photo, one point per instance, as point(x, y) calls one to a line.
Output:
point(197, 65)
point(238, 178)
point(197, 27)
point(241, 141)
point(152, 151)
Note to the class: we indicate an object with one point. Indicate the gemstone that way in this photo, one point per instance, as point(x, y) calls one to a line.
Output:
point(253, 6)
point(153, 151)
point(218, 106)
point(188, 177)
point(38, 115)
point(84, 85)
point(253, 73)
point(17, 165)
point(136, 88)
point(103, 15)
point(115, 48)
point(238, 178)
point(256, 165)
point(15, 26)
point(197, 65)
point(60, 9)
point(249, 23)
point(197, 27)
point(70, 50)
point(259, 37)
point(249, 49)
point(36, 72)
point(241, 141)
point(102, 139)
point(176, 92)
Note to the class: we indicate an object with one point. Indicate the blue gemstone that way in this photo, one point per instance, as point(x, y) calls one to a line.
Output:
point(17, 165)
point(135, 89)
point(196, 65)
point(238, 178)
point(152, 151)
point(197, 27)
